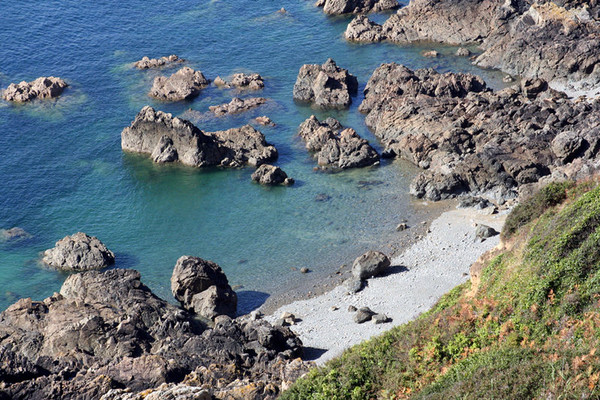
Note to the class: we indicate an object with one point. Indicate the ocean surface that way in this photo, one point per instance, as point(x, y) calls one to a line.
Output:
point(63, 170)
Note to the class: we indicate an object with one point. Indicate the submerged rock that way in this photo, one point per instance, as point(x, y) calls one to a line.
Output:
point(271, 175)
point(14, 234)
point(41, 88)
point(182, 85)
point(79, 252)
point(326, 86)
point(169, 139)
point(146, 63)
point(237, 105)
point(338, 7)
point(335, 147)
point(242, 81)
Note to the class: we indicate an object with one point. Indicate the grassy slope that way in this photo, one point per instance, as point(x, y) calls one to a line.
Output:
point(530, 329)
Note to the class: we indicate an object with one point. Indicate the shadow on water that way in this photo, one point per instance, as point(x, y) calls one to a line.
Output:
point(249, 300)
point(125, 261)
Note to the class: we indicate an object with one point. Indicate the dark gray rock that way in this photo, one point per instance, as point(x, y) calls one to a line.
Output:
point(326, 86)
point(380, 319)
point(79, 252)
point(370, 264)
point(41, 88)
point(354, 285)
point(268, 174)
point(363, 315)
point(182, 85)
point(483, 232)
point(567, 145)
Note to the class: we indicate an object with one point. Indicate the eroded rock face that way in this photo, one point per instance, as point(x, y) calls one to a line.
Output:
point(268, 174)
point(182, 85)
point(326, 86)
point(237, 105)
point(338, 7)
point(41, 88)
point(106, 330)
point(147, 63)
point(335, 147)
point(169, 139)
point(242, 81)
point(470, 139)
point(79, 252)
point(202, 288)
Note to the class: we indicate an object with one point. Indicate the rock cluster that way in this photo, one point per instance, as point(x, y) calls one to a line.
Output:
point(336, 147)
point(146, 63)
point(268, 174)
point(106, 331)
point(79, 252)
point(338, 7)
point(471, 139)
point(182, 85)
point(41, 88)
point(326, 86)
point(544, 39)
point(242, 81)
point(237, 105)
point(169, 139)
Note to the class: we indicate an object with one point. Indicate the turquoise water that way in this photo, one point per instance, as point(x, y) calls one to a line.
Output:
point(64, 171)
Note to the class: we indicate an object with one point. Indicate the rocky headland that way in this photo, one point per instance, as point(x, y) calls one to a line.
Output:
point(147, 63)
point(41, 88)
point(325, 86)
point(167, 139)
point(338, 7)
point(182, 85)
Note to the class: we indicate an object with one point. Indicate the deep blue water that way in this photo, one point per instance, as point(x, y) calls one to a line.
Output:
point(63, 170)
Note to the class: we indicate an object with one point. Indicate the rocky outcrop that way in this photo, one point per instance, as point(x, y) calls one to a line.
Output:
point(326, 86)
point(338, 7)
point(41, 88)
point(147, 63)
point(169, 139)
point(202, 288)
point(336, 147)
point(242, 81)
point(471, 139)
point(237, 105)
point(362, 29)
point(107, 330)
point(547, 39)
point(182, 85)
point(271, 175)
point(79, 252)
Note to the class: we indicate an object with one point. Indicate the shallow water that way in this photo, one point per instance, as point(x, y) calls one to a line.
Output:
point(64, 171)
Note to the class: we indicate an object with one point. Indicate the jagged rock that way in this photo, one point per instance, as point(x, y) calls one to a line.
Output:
point(370, 264)
point(14, 234)
point(237, 105)
point(202, 288)
point(431, 54)
point(41, 88)
point(338, 7)
point(242, 81)
point(484, 232)
point(463, 52)
point(146, 63)
point(106, 330)
point(326, 86)
point(182, 85)
point(169, 139)
point(79, 252)
point(264, 120)
point(268, 174)
point(361, 29)
point(363, 315)
point(566, 145)
point(345, 149)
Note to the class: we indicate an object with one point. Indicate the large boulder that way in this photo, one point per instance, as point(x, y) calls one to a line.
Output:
point(169, 139)
point(202, 288)
point(107, 330)
point(41, 88)
point(146, 63)
point(361, 29)
point(182, 85)
point(338, 7)
point(370, 264)
point(334, 146)
point(237, 105)
point(326, 86)
point(241, 81)
point(268, 174)
point(79, 252)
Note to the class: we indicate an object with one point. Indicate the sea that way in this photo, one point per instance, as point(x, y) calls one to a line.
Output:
point(63, 170)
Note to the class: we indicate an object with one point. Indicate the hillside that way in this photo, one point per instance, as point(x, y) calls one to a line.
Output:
point(527, 325)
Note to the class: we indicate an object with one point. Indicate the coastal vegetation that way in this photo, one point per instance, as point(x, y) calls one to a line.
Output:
point(528, 327)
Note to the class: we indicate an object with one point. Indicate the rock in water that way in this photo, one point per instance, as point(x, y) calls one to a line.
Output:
point(370, 264)
point(14, 234)
point(237, 105)
point(41, 88)
point(338, 7)
point(169, 139)
point(146, 63)
point(79, 252)
point(202, 288)
point(182, 85)
point(268, 174)
point(242, 81)
point(345, 149)
point(361, 29)
point(326, 86)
